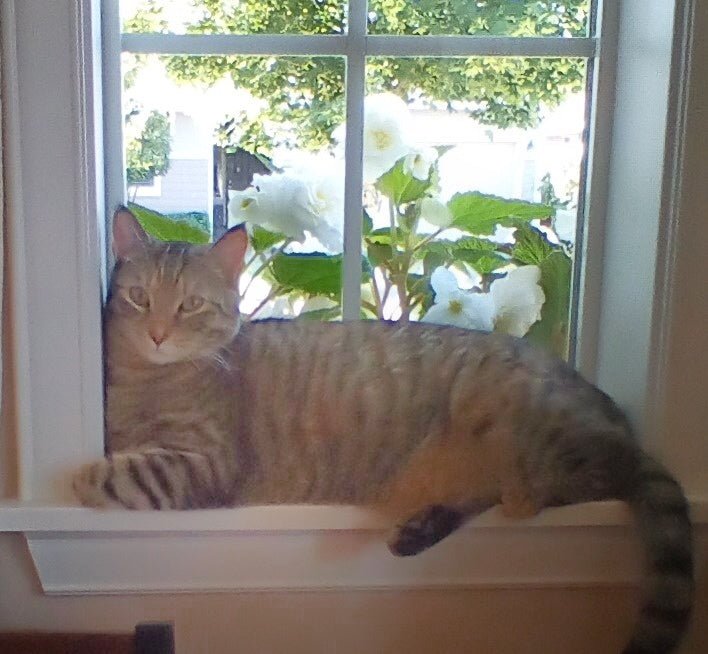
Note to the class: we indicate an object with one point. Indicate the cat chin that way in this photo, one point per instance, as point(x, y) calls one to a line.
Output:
point(164, 356)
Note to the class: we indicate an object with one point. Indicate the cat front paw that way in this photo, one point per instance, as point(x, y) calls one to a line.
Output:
point(112, 484)
point(89, 485)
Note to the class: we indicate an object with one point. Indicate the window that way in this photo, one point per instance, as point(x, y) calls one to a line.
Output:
point(632, 331)
point(474, 163)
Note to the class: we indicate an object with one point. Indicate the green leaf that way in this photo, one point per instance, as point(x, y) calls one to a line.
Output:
point(381, 236)
point(477, 252)
point(483, 262)
point(552, 330)
point(401, 187)
point(263, 239)
point(379, 253)
point(167, 229)
point(478, 213)
point(367, 224)
point(416, 283)
point(332, 313)
point(433, 260)
point(313, 274)
point(531, 246)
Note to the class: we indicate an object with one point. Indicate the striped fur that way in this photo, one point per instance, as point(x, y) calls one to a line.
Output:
point(429, 425)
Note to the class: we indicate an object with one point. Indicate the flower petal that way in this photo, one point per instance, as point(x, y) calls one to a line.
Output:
point(440, 314)
point(479, 307)
point(418, 162)
point(443, 282)
point(518, 299)
point(386, 133)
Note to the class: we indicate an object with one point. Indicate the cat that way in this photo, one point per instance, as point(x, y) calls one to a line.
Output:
point(430, 425)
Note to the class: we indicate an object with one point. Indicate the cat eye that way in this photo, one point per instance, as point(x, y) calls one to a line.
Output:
point(139, 296)
point(192, 303)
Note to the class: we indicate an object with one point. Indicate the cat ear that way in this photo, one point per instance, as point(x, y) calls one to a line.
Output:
point(230, 252)
point(128, 234)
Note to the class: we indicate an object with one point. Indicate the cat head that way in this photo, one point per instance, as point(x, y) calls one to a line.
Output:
point(172, 302)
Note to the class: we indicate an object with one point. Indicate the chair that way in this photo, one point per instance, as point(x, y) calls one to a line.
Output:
point(148, 638)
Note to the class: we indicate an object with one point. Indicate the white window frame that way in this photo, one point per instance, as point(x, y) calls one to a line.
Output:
point(639, 160)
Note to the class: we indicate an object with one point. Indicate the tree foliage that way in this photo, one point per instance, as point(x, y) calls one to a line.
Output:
point(307, 93)
point(148, 155)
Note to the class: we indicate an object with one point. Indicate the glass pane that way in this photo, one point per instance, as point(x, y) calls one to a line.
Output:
point(233, 16)
point(491, 17)
point(471, 191)
point(211, 142)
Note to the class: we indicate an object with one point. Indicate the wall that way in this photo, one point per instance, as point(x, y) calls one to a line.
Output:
point(502, 621)
point(185, 187)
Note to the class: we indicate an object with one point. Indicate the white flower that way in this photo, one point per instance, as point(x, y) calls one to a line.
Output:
point(453, 306)
point(418, 162)
point(517, 300)
point(295, 203)
point(325, 184)
point(317, 303)
point(435, 212)
point(279, 202)
point(280, 308)
point(386, 133)
point(512, 305)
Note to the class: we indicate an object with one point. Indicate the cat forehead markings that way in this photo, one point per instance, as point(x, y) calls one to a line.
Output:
point(164, 264)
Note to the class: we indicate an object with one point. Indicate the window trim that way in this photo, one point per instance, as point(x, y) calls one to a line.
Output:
point(59, 390)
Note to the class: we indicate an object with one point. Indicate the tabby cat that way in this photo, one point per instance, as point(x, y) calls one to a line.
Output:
point(428, 424)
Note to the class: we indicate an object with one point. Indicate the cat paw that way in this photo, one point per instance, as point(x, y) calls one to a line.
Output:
point(423, 530)
point(109, 484)
point(89, 485)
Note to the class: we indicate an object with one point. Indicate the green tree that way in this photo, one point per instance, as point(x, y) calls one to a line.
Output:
point(306, 94)
point(148, 155)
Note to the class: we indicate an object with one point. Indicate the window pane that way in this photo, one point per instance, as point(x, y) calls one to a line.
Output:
point(233, 16)
point(471, 192)
point(260, 128)
point(491, 17)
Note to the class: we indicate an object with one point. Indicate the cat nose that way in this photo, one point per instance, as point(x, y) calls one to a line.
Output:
point(157, 334)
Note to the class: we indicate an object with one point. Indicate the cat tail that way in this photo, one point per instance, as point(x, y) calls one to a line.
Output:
point(662, 515)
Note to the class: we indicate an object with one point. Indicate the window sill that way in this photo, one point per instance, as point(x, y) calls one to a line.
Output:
point(78, 550)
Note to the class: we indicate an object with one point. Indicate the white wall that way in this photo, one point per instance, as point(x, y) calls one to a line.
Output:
point(484, 621)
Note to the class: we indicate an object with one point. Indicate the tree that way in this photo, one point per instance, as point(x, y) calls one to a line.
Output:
point(306, 94)
point(148, 155)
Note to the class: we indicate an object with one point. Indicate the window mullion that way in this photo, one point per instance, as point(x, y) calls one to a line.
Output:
point(354, 145)
point(113, 164)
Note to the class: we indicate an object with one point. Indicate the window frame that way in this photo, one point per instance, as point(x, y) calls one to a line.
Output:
point(55, 264)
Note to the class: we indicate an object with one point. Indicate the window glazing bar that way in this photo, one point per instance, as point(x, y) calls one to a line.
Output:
point(375, 45)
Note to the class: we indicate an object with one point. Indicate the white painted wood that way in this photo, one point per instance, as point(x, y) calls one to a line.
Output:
point(56, 260)
point(376, 45)
point(589, 257)
point(678, 370)
point(79, 550)
point(353, 174)
point(239, 44)
point(14, 225)
point(112, 82)
point(479, 46)
point(634, 204)
point(33, 517)
point(122, 563)
point(30, 517)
